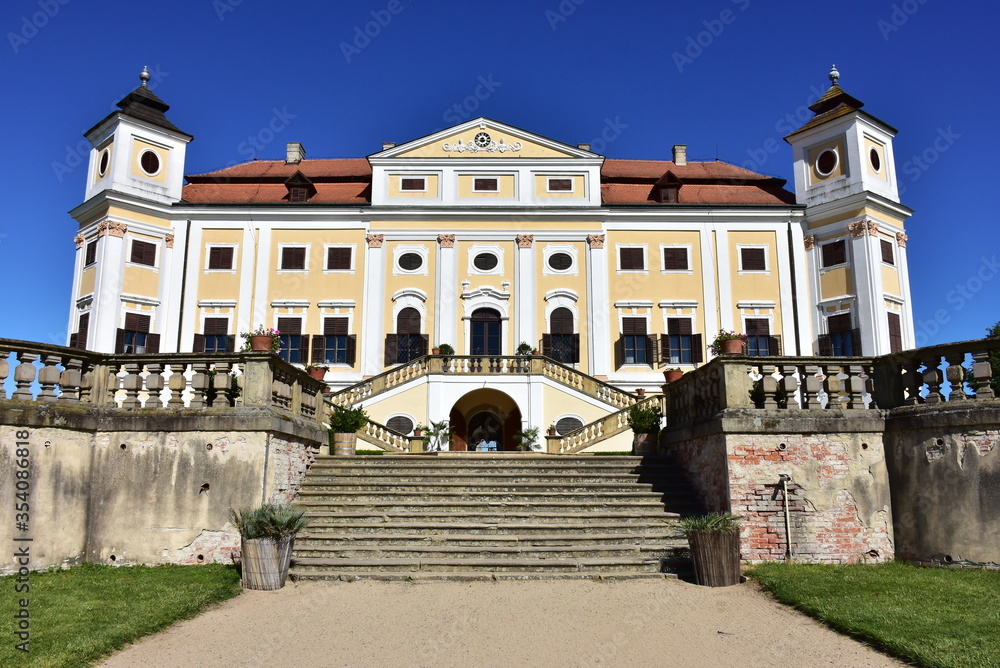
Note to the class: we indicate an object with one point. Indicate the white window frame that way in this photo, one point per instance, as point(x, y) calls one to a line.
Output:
point(412, 419)
point(159, 163)
point(895, 254)
point(641, 304)
point(158, 258)
point(550, 250)
point(569, 177)
point(422, 177)
point(645, 258)
point(478, 249)
point(496, 182)
point(354, 257)
point(689, 271)
point(401, 250)
point(305, 269)
point(208, 251)
point(767, 259)
point(847, 254)
point(583, 423)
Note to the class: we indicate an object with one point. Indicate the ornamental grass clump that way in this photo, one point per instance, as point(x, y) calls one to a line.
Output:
point(274, 521)
point(712, 522)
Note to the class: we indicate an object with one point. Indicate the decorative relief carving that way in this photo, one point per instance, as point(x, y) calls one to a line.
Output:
point(901, 239)
point(446, 240)
point(78, 239)
point(169, 240)
point(525, 240)
point(595, 240)
point(810, 242)
point(375, 240)
point(493, 147)
point(872, 228)
point(112, 228)
point(857, 229)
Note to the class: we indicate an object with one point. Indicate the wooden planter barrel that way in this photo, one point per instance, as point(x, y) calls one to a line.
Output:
point(344, 444)
point(264, 562)
point(644, 444)
point(716, 557)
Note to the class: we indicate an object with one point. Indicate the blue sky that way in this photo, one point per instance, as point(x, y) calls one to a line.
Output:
point(729, 78)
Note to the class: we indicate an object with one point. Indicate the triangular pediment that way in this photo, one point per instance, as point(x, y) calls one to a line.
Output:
point(483, 138)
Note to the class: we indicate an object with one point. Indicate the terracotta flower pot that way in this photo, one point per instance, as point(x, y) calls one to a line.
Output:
point(260, 343)
point(731, 346)
point(670, 375)
point(552, 432)
point(318, 374)
point(435, 351)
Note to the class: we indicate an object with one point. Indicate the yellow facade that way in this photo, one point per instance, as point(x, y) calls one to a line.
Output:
point(839, 146)
point(542, 186)
point(138, 148)
point(528, 149)
point(835, 283)
point(432, 185)
point(506, 185)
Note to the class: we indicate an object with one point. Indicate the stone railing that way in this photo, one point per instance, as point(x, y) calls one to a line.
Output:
point(159, 381)
point(915, 377)
point(389, 439)
point(597, 431)
point(469, 365)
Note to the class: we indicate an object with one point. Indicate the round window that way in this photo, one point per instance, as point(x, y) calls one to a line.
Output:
point(400, 423)
point(105, 160)
point(410, 261)
point(568, 424)
point(485, 261)
point(560, 261)
point(827, 162)
point(876, 161)
point(150, 162)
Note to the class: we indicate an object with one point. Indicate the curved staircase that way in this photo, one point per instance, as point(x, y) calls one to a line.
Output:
point(491, 516)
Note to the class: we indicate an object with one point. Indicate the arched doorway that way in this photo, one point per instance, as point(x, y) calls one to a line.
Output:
point(485, 334)
point(484, 415)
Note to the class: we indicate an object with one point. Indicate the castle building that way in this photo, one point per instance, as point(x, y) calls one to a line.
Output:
point(485, 236)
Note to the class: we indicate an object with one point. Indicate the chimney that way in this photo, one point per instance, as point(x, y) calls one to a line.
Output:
point(294, 153)
point(386, 145)
point(583, 147)
point(680, 154)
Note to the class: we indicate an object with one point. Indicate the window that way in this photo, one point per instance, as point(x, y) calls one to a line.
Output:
point(105, 161)
point(335, 346)
point(834, 253)
point(220, 258)
point(293, 258)
point(338, 258)
point(485, 332)
point(631, 259)
point(561, 343)
point(215, 337)
point(407, 343)
point(634, 346)
point(753, 259)
point(875, 160)
point(482, 185)
point(840, 340)
point(135, 337)
point(760, 341)
point(680, 345)
point(568, 424)
point(292, 345)
point(560, 185)
point(560, 261)
point(143, 252)
point(401, 423)
point(895, 333)
point(91, 253)
point(298, 194)
point(675, 259)
point(887, 255)
point(150, 162)
point(413, 184)
point(485, 262)
point(79, 339)
point(827, 162)
point(410, 261)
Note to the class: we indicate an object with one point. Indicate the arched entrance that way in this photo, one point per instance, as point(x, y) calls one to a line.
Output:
point(486, 415)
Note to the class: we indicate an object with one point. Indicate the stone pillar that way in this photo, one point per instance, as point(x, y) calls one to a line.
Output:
point(372, 331)
point(447, 288)
point(599, 314)
point(525, 293)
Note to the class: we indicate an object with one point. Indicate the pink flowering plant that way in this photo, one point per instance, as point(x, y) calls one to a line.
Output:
point(261, 331)
point(724, 335)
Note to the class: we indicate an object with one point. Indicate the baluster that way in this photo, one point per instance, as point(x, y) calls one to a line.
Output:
point(199, 384)
point(131, 383)
point(224, 383)
point(912, 381)
point(177, 385)
point(790, 385)
point(24, 375)
point(769, 386)
point(70, 381)
point(855, 387)
point(869, 379)
point(810, 387)
point(955, 373)
point(4, 372)
point(154, 383)
point(48, 378)
point(933, 379)
point(982, 372)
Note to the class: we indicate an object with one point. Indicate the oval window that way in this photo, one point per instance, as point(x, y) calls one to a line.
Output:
point(150, 162)
point(400, 423)
point(875, 160)
point(568, 424)
point(560, 261)
point(105, 160)
point(827, 162)
point(410, 261)
point(486, 262)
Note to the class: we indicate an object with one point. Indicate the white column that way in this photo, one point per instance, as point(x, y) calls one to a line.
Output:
point(866, 260)
point(709, 317)
point(600, 314)
point(785, 279)
point(166, 312)
point(108, 286)
point(258, 316)
point(190, 320)
point(74, 318)
point(446, 294)
point(248, 264)
point(726, 276)
point(906, 312)
point(372, 334)
point(525, 292)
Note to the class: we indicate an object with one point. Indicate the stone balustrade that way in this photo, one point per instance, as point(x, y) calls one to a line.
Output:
point(163, 381)
point(598, 430)
point(915, 376)
point(389, 439)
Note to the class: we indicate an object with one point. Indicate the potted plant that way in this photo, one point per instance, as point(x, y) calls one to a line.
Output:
point(672, 374)
point(439, 436)
point(344, 426)
point(267, 535)
point(523, 349)
point(644, 419)
point(552, 429)
point(526, 439)
point(418, 430)
point(261, 339)
point(715, 548)
point(316, 371)
point(445, 349)
point(728, 343)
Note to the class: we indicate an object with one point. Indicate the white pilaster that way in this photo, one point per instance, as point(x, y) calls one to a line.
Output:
point(868, 288)
point(372, 333)
point(446, 301)
point(599, 310)
point(248, 263)
point(191, 322)
point(710, 316)
point(74, 312)
point(725, 278)
point(525, 296)
point(785, 279)
point(261, 275)
point(107, 292)
point(906, 312)
point(166, 312)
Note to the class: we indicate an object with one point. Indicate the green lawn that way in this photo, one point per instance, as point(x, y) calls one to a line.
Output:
point(82, 614)
point(928, 616)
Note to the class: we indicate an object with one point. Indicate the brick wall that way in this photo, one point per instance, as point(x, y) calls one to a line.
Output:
point(289, 461)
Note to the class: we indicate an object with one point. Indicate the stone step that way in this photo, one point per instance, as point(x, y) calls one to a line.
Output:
point(518, 530)
point(303, 565)
point(470, 576)
point(373, 477)
point(486, 551)
point(428, 499)
point(341, 485)
point(388, 537)
point(516, 504)
point(501, 515)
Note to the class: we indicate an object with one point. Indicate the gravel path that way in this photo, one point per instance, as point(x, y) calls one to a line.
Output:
point(537, 623)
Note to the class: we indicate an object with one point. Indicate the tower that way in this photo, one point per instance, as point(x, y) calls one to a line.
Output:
point(845, 174)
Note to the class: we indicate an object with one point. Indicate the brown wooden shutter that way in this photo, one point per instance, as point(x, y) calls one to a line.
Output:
point(758, 327)
point(152, 343)
point(304, 348)
point(318, 350)
point(293, 257)
point(651, 350)
point(119, 341)
point(231, 343)
point(73, 339)
point(675, 259)
point(631, 259)
point(335, 327)
point(561, 321)
point(216, 326)
point(391, 349)
point(220, 257)
point(338, 258)
point(774, 345)
point(839, 324)
point(408, 321)
point(887, 255)
point(825, 345)
point(895, 333)
point(199, 343)
point(834, 253)
point(634, 326)
point(856, 338)
point(290, 326)
point(620, 351)
point(91, 255)
point(576, 348)
point(753, 259)
point(82, 330)
point(547, 345)
point(143, 253)
point(352, 349)
point(697, 349)
point(424, 341)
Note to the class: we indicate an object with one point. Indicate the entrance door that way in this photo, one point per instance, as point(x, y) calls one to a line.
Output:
point(485, 332)
point(485, 432)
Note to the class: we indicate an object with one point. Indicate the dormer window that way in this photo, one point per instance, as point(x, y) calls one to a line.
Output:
point(298, 194)
point(669, 188)
point(300, 188)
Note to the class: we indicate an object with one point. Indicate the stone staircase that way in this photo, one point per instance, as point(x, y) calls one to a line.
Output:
point(491, 516)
